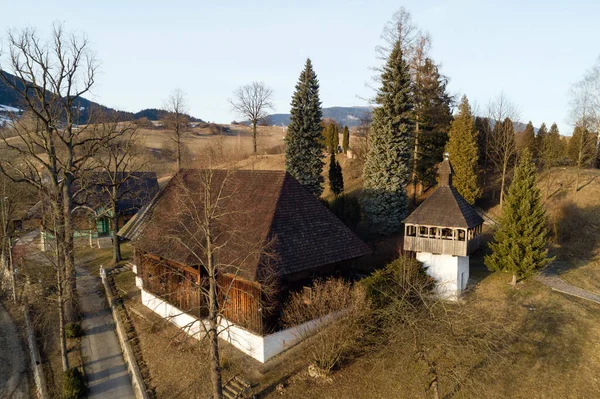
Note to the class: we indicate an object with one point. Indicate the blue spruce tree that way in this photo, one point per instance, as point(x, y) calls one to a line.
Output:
point(387, 168)
point(304, 142)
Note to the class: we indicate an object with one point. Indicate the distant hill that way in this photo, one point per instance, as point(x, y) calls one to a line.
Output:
point(10, 98)
point(345, 116)
point(155, 114)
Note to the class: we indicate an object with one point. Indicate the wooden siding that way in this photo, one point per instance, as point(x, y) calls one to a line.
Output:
point(176, 285)
point(441, 246)
point(241, 302)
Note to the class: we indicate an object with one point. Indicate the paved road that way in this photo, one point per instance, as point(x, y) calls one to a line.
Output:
point(550, 277)
point(103, 361)
point(13, 362)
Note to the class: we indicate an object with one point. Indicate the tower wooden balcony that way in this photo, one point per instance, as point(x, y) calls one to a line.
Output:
point(441, 240)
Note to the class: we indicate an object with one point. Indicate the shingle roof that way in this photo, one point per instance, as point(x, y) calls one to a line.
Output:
point(270, 207)
point(445, 207)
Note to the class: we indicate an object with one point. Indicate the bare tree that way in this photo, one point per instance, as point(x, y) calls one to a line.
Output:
point(444, 337)
point(581, 150)
point(119, 160)
point(585, 103)
point(400, 27)
point(253, 102)
point(502, 148)
point(54, 143)
point(177, 122)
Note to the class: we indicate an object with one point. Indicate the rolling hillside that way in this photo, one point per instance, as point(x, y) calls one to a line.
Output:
point(10, 98)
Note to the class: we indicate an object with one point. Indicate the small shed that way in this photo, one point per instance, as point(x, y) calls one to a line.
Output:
point(443, 231)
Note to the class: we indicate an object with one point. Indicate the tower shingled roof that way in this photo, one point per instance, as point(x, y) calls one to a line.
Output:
point(445, 207)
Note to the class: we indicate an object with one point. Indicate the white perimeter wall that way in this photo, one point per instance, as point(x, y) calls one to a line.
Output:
point(261, 348)
point(450, 272)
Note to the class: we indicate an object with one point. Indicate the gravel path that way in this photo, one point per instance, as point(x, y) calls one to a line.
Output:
point(550, 277)
point(13, 362)
point(102, 357)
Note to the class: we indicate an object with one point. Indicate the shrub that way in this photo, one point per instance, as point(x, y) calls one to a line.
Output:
point(401, 279)
point(73, 330)
point(73, 384)
point(347, 209)
point(346, 312)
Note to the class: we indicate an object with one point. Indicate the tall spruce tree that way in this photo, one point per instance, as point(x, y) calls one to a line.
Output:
point(433, 111)
point(387, 168)
point(553, 148)
point(528, 140)
point(484, 131)
point(462, 147)
point(304, 143)
point(336, 178)
point(541, 136)
point(346, 139)
point(521, 242)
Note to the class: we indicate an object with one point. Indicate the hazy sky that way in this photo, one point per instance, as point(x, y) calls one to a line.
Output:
point(530, 50)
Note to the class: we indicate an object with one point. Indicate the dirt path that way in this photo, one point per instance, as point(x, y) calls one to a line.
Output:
point(102, 357)
point(13, 362)
point(550, 277)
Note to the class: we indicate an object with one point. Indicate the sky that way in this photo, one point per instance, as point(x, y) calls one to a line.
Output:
point(531, 51)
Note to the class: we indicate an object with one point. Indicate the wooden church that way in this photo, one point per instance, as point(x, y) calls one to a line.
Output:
point(272, 235)
point(443, 231)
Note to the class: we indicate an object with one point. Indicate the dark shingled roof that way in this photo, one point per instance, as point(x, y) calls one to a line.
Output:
point(445, 207)
point(268, 206)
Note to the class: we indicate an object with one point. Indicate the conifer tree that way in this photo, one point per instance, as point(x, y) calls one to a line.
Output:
point(484, 131)
point(541, 136)
point(434, 115)
point(346, 139)
point(462, 147)
point(520, 244)
point(304, 143)
point(528, 140)
point(387, 168)
point(336, 178)
point(335, 136)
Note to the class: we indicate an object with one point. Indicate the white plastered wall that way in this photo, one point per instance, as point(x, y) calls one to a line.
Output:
point(261, 348)
point(450, 272)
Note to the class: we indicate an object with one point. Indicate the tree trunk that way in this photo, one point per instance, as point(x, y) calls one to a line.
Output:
point(116, 243)
point(213, 314)
point(70, 287)
point(514, 280)
point(60, 281)
point(254, 135)
point(415, 163)
point(502, 186)
point(178, 152)
point(12, 270)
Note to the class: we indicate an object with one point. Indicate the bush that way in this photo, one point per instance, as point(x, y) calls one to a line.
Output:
point(347, 209)
point(401, 279)
point(73, 330)
point(345, 311)
point(73, 384)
